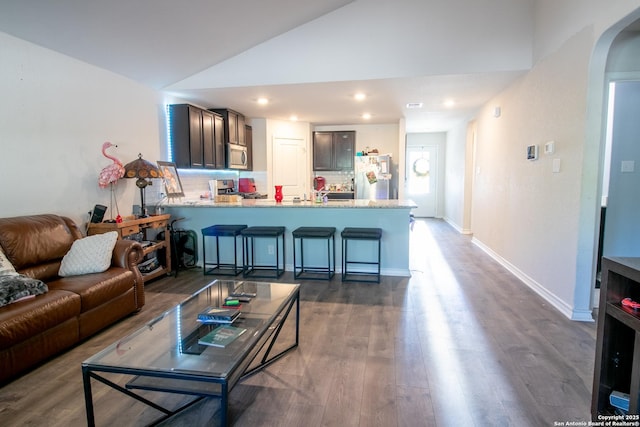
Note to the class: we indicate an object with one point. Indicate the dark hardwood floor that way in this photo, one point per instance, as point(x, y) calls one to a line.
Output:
point(460, 343)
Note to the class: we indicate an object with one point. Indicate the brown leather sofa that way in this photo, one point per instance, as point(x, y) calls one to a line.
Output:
point(75, 307)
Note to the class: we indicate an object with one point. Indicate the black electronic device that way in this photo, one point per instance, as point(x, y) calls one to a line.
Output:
point(98, 213)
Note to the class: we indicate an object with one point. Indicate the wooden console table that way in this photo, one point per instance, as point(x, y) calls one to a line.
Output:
point(157, 223)
point(617, 364)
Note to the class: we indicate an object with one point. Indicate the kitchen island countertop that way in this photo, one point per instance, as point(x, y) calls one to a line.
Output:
point(269, 203)
point(392, 216)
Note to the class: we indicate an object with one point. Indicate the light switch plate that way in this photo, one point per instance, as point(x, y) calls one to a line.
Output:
point(550, 147)
point(627, 166)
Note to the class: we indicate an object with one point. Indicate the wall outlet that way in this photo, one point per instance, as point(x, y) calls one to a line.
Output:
point(270, 249)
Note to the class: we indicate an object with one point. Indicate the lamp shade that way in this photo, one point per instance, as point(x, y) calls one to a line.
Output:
point(141, 169)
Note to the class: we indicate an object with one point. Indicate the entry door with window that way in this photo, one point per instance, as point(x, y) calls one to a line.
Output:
point(421, 167)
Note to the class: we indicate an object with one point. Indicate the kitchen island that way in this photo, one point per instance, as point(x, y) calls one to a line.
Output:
point(392, 216)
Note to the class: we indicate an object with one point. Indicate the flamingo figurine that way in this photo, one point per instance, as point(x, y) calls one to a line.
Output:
point(112, 173)
point(109, 175)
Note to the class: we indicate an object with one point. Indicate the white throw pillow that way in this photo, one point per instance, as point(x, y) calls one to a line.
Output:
point(91, 254)
point(6, 268)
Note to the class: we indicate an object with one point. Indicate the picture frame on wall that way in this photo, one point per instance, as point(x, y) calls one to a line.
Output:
point(171, 179)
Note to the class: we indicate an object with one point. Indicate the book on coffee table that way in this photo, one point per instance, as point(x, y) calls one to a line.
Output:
point(221, 336)
point(218, 315)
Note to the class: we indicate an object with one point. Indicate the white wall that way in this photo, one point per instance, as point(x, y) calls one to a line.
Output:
point(557, 21)
point(502, 41)
point(55, 113)
point(539, 224)
point(523, 213)
point(454, 182)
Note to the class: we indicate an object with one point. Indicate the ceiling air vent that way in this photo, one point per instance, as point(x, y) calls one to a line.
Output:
point(411, 105)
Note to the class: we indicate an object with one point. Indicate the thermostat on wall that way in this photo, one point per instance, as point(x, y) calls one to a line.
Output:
point(532, 152)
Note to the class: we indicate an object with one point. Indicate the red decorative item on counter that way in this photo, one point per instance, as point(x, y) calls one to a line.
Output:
point(278, 195)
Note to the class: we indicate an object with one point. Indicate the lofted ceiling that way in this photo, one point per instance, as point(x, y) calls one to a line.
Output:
point(308, 58)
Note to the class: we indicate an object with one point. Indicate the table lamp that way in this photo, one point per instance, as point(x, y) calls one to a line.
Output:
point(143, 171)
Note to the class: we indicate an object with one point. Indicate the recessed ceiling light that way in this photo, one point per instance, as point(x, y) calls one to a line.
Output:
point(263, 101)
point(366, 116)
point(414, 105)
point(359, 96)
point(449, 103)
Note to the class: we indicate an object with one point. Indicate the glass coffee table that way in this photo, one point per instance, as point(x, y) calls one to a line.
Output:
point(164, 355)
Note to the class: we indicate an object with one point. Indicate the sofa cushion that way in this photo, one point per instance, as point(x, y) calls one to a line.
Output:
point(14, 287)
point(91, 254)
point(25, 319)
point(96, 289)
point(5, 265)
point(36, 239)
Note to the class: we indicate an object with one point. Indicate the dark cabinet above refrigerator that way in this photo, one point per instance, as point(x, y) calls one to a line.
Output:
point(333, 150)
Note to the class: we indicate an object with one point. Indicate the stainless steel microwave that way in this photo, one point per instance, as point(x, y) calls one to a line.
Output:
point(237, 156)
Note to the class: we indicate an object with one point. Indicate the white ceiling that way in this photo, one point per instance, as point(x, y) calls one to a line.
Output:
point(307, 57)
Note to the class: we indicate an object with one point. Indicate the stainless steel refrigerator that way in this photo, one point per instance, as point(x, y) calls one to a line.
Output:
point(373, 179)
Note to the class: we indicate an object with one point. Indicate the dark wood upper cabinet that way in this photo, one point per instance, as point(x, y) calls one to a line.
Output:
point(248, 136)
point(234, 126)
point(208, 140)
point(344, 148)
point(219, 141)
point(323, 151)
point(333, 151)
point(196, 137)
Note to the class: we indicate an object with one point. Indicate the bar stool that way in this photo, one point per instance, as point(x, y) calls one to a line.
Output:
point(217, 231)
point(315, 273)
point(363, 234)
point(249, 266)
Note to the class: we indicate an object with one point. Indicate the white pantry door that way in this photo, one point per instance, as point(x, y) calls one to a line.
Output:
point(289, 166)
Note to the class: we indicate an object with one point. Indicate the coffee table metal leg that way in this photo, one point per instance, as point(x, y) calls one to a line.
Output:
point(88, 397)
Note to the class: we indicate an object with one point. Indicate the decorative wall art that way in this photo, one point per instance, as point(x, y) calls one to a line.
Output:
point(172, 183)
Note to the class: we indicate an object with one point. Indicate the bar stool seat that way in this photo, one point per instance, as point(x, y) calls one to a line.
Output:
point(217, 231)
point(361, 275)
point(250, 267)
point(316, 272)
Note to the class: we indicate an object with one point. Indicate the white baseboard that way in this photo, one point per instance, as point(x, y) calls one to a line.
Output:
point(551, 298)
point(457, 227)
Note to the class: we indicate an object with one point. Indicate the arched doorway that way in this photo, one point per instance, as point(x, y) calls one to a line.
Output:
point(593, 167)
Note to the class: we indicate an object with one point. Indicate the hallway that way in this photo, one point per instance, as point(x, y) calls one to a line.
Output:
point(496, 350)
